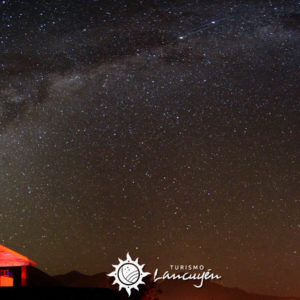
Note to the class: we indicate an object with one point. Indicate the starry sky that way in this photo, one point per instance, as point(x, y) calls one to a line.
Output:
point(168, 129)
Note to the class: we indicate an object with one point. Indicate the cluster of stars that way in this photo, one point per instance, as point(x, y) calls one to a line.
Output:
point(129, 127)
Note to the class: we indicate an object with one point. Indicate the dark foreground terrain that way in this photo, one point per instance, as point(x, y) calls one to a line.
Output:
point(75, 285)
point(58, 292)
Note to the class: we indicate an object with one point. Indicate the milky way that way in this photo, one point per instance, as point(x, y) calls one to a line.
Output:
point(168, 130)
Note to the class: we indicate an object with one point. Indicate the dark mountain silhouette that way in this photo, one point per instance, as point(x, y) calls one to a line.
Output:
point(68, 278)
point(78, 285)
point(38, 278)
point(166, 290)
point(77, 279)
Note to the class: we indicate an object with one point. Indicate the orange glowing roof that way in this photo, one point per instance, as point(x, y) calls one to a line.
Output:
point(11, 258)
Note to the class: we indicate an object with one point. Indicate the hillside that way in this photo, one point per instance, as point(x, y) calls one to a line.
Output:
point(168, 289)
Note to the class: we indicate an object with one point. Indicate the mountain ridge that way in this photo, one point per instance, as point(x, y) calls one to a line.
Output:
point(168, 289)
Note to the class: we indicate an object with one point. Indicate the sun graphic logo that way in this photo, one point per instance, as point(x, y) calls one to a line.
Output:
point(128, 274)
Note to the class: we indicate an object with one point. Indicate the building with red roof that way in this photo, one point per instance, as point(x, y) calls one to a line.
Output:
point(13, 267)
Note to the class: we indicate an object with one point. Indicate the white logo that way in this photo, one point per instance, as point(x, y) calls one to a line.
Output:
point(128, 274)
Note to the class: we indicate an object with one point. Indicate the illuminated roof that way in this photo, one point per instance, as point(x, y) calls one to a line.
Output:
point(10, 258)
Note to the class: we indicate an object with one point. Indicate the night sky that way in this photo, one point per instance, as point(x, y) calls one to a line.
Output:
point(168, 129)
